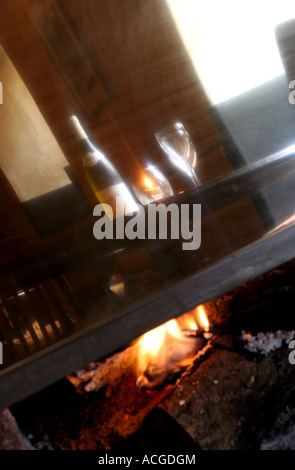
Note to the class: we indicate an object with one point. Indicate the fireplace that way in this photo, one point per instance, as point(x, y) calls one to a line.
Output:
point(215, 385)
point(134, 335)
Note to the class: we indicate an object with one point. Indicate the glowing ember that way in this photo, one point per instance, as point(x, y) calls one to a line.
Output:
point(170, 347)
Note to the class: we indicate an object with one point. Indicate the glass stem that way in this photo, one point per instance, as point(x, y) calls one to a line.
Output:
point(194, 177)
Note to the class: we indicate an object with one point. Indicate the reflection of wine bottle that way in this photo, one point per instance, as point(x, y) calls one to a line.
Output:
point(103, 177)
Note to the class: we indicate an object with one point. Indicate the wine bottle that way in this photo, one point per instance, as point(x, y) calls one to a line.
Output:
point(103, 177)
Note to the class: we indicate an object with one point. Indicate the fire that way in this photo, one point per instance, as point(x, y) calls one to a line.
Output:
point(171, 346)
point(148, 182)
point(202, 317)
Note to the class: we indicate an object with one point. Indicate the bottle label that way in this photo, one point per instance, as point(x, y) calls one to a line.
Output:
point(108, 196)
point(91, 158)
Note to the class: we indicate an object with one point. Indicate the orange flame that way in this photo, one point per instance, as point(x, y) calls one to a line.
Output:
point(202, 317)
point(165, 347)
point(148, 182)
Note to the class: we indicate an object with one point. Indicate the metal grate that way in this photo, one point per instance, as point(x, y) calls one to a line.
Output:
point(33, 318)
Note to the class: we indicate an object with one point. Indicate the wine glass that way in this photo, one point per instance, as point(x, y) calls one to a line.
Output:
point(150, 185)
point(178, 146)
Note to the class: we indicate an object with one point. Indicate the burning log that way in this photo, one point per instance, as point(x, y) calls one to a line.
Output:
point(229, 401)
point(165, 352)
point(151, 364)
point(158, 357)
point(104, 375)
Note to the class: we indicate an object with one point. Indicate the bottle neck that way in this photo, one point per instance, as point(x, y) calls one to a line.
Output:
point(87, 146)
point(82, 138)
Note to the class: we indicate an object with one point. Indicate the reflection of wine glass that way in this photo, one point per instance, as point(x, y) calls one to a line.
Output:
point(177, 144)
point(150, 185)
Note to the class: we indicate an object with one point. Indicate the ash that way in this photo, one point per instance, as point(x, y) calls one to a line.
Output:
point(282, 435)
point(36, 442)
point(264, 343)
